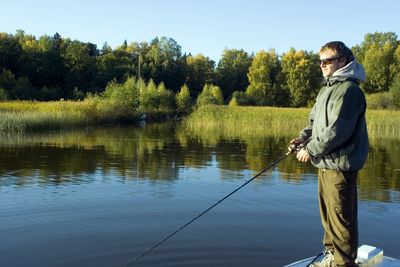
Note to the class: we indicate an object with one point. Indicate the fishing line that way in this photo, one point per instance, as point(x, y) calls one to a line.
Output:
point(292, 149)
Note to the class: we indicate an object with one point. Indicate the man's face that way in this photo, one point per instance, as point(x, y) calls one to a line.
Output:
point(329, 62)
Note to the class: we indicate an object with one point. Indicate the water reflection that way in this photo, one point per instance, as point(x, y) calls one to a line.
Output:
point(159, 151)
point(99, 197)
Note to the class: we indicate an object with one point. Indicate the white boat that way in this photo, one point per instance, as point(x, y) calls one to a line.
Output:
point(368, 256)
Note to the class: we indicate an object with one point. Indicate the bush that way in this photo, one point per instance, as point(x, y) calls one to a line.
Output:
point(23, 89)
point(234, 102)
point(379, 101)
point(3, 94)
point(167, 99)
point(49, 93)
point(183, 100)
point(126, 95)
point(148, 99)
point(242, 99)
point(156, 101)
point(394, 91)
point(7, 79)
point(211, 94)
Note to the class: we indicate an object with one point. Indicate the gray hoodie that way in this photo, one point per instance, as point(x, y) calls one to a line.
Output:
point(337, 125)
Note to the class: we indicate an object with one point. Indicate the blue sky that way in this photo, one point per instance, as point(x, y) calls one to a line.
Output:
point(205, 26)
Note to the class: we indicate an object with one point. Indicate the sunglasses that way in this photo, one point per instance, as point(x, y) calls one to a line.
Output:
point(328, 61)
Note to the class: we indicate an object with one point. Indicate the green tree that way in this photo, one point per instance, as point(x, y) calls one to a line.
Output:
point(148, 99)
point(211, 94)
point(165, 63)
point(377, 54)
point(241, 99)
point(183, 100)
point(378, 62)
point(156, 100)
point(7, 79)
point(30, 57)
point(125, 94)
point(234, 101)
point(199, 71)
point(262, 78)
point(166, 99)
point(3, 94)
point(395, 92)
point(50, 68)
point(23, 89)
point(10, 53)
point(80, 62)
point(113, 65)
point(301, 74)
point(140, 62)
point(16, 88)
point(378, 39)
point(395, 66)
point(107, 68)
point(7, 83)
point(231, 72)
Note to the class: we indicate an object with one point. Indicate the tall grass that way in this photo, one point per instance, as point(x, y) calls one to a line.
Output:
point(29, 116)
point(247, 120)
point(125, 102)
point(239, 121)
point(383, 123)
point(229, 121)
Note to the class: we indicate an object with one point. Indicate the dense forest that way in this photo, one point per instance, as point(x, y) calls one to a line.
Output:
point(56, 67)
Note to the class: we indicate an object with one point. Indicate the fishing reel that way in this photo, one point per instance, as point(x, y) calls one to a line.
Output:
point(297, 147)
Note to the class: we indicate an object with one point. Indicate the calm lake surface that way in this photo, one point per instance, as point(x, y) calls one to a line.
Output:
point(101, 197)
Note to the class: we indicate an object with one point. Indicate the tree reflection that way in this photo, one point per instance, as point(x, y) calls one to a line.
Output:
point(160, 151)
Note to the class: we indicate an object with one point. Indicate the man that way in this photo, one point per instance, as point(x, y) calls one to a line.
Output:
point(338, 146)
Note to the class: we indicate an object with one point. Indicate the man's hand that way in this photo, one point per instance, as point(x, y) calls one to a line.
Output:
point(303, 155)
point(294, 142)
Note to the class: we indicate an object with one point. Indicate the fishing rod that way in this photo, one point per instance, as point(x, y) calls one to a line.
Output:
point(292, 148)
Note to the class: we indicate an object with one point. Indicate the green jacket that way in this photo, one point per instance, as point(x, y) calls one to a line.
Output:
point(337, 125)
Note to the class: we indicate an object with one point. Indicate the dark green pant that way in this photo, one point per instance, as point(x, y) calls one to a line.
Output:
point(338, 208)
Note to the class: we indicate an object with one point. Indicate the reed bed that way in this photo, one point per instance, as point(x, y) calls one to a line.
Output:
point(246, 121)
point(261, 121)
point(31, 116)
point(383, 123)
point(224, 121)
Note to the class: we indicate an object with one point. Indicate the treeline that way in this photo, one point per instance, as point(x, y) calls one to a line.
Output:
point(54, 67)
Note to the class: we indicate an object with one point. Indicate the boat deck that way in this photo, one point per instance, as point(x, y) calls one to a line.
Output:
point(367, 257)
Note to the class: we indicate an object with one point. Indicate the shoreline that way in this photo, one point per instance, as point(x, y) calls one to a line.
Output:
point(33, 116)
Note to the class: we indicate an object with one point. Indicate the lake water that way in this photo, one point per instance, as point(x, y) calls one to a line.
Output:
point(101, 197)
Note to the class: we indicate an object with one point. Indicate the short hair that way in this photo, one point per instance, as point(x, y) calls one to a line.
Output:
point(340, 49)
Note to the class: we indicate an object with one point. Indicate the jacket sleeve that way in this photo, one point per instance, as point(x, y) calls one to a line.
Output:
point(307, 131)
point(343, 117)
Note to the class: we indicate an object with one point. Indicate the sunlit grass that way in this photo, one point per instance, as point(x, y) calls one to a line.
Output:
point(226, 121)
point(28, 116)
point(230, 122)
point(383, 123)
point(222, 121)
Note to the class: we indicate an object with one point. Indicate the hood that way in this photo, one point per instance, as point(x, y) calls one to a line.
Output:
point(353, 70)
